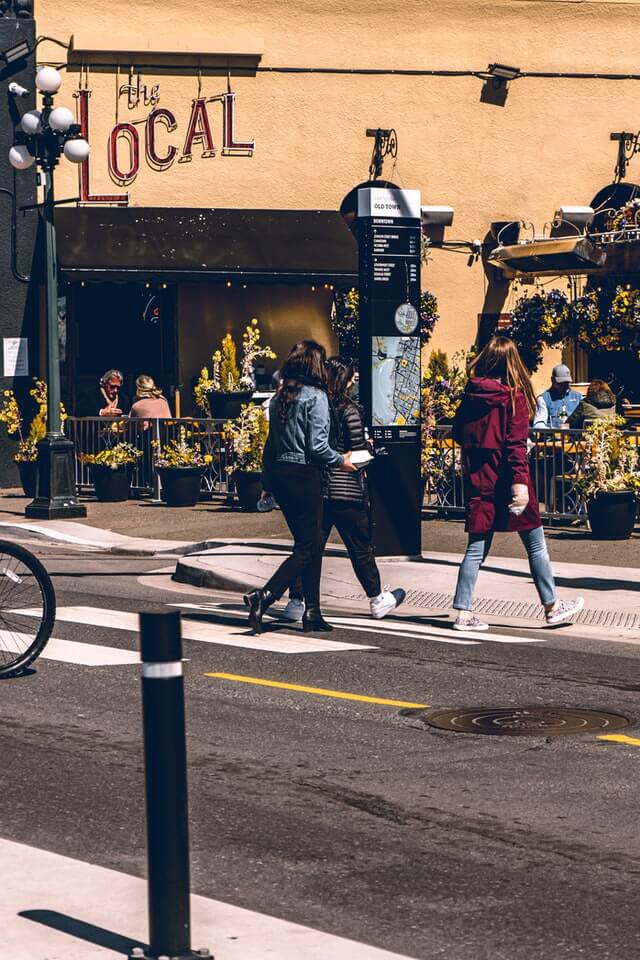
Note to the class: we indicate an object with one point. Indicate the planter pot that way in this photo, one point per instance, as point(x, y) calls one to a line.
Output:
point(612, 514)
point(111, 485)
point(248, 487)
point(226, 406)
point(180, 485)
point(28, 470)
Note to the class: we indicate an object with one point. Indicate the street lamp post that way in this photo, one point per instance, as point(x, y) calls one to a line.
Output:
point(44, 137)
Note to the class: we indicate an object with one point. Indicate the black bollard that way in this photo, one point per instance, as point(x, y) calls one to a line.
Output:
point(165, 760)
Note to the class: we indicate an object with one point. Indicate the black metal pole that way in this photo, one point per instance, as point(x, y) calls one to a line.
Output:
point(56, 497)
point(165, 758)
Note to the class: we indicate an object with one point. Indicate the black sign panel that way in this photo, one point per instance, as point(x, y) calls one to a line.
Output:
point(389, 287)
point(390, 260)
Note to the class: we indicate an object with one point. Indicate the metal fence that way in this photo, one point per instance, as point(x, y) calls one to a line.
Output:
point(555, 457)
point(92, 434)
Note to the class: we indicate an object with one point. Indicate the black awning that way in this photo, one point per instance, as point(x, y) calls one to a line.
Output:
point(260, 245)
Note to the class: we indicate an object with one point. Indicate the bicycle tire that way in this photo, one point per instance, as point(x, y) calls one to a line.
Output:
point(10, 594)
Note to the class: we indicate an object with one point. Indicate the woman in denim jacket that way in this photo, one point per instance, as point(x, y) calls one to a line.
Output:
point(296, 452)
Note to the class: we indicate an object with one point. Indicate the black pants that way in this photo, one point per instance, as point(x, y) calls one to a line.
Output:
point(298, 489)
point(351, 520)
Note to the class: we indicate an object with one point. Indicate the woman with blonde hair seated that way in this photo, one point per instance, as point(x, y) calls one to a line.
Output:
point(149, 400)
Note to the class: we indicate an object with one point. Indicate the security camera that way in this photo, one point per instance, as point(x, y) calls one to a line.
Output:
point(476, 247)
point(17, 90)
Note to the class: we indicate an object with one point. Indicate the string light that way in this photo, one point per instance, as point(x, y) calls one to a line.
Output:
point(228, 283)
point(147, 284)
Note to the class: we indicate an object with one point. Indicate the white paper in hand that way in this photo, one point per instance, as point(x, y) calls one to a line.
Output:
point(360, 458)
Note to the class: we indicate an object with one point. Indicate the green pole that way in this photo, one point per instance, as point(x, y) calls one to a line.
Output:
point(54, 426)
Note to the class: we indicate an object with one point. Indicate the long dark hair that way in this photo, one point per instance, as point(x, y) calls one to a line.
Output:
point(304, 365)
point(339, 374)
point(500, 360)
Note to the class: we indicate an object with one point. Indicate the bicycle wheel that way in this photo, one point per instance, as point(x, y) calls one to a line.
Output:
point(27, 608)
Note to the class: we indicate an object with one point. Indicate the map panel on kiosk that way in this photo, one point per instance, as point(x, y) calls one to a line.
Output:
point(395, 381)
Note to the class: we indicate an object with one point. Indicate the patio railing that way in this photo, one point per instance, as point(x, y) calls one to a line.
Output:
point(92, 434)
point(554, 458)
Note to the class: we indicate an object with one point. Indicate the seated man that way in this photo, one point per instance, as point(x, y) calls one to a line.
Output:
point(555, 406)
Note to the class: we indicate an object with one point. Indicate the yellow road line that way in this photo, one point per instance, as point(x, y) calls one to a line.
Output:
point(621, 738)
point(319, 691)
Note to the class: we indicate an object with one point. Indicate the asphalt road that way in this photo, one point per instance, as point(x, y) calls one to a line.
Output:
point(343, 814)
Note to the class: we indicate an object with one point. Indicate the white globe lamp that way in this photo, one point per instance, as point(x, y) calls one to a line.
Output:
point(20, 158)
point(61, 119)
point(31, 122)
point(48, 80)
point(76, 150)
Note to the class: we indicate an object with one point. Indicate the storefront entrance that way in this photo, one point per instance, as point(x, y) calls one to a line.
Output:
point(128, 326)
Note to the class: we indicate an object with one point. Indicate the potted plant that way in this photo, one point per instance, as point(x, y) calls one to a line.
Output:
point(247, 436)
point(26, 456)
point(609, 480)
point(222, 394)
point(111, 470)
point(180, 465)
point(441, 391)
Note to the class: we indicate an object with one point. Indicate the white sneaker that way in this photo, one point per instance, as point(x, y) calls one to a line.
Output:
point(293, 611)
point(469, 623)
point(386, 601)
point(564, 610)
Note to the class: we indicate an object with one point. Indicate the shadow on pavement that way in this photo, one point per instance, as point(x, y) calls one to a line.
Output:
point(83, 931)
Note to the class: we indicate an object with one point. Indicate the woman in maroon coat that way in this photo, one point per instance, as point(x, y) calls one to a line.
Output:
point(492, 427)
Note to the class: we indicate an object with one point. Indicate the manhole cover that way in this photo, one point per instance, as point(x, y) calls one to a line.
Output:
point(526, 721)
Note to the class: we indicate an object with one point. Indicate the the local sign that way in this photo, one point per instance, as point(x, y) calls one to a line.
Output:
point(158, 140)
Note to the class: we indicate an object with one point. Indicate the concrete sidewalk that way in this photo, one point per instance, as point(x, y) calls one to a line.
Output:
point(505, 594)
point(216, 520)
point(56, 908)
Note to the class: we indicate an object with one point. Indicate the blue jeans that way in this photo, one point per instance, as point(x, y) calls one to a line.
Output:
point(477, 551)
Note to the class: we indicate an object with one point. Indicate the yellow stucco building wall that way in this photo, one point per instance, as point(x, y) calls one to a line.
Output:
point(547, 145)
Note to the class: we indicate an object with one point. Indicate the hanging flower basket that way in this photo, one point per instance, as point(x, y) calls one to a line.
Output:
point(541, 320)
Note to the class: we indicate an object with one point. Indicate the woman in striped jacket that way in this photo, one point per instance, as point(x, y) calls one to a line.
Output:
point(346, 498)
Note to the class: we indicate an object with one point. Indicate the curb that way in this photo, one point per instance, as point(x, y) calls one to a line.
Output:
point(197, 576)
point(137, 546)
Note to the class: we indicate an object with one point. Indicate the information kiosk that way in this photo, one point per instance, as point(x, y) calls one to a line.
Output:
point(388, 231)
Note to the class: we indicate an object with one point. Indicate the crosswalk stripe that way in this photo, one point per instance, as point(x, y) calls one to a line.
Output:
point(427, 630)
point(398, 628)
point(70, 651)
point(218, 633)
point(406, 634)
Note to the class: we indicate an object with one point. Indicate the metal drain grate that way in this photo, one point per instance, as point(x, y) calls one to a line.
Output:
point(525, 721)
point(519, 609)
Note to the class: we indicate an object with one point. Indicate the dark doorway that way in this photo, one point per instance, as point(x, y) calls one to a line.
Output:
point(128, 326)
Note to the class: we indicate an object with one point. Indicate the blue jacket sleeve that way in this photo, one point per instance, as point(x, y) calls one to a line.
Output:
point(317, 439)
point(267, 463)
